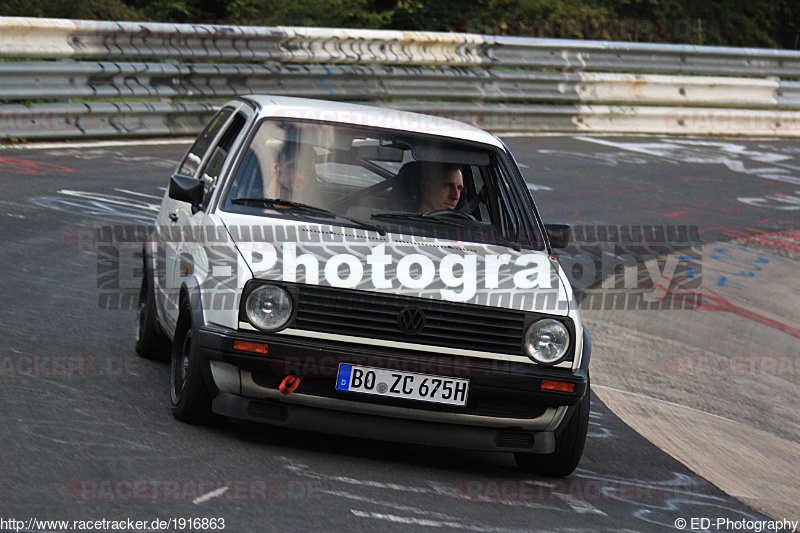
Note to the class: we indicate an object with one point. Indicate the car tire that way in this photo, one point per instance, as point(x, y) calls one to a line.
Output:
point(569, 447)
point(151, 343)
point(191, 399)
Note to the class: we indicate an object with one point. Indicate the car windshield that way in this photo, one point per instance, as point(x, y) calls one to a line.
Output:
point(387, 180)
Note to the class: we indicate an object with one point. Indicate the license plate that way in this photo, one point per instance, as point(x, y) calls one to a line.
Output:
point(397, 384)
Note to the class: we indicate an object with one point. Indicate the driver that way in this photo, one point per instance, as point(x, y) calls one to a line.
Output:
point(440, 187)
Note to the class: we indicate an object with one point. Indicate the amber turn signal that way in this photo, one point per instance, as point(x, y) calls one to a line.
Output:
point(249, 346)
point(560, 386)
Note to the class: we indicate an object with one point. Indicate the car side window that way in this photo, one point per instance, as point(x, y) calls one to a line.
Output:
point(480, 189)
point(513, 218)
point(509, 214)
point(213, 167)
point(198, 150)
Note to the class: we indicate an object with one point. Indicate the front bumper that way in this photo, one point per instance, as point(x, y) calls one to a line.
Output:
point(506, 408)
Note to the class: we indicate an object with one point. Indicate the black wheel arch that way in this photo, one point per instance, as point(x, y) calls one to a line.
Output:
point(147, 275)
point(587, 350)
point(192, 297)
point(584, 367)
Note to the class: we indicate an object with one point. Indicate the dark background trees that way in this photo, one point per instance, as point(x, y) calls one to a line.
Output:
point(748, 23)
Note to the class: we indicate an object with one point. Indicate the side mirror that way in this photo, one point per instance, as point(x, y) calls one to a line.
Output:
point(559, 234)
point(186, 189)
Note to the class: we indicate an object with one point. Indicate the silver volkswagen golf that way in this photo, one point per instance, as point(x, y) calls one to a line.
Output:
point(369, 272)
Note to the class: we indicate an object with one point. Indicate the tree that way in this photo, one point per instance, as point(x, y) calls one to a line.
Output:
point(740, 23)
point(70, 9)
point(315, 13)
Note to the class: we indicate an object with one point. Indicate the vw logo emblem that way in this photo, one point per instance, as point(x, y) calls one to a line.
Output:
point(411, 320)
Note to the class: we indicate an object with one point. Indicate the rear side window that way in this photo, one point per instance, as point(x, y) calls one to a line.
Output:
point(193, 159)
point(216, 160)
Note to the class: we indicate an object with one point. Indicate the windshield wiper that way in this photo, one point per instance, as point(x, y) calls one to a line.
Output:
point(276, 203)
point(505, 241)
point(366, 225)
point(447, 219)
point(416, 217)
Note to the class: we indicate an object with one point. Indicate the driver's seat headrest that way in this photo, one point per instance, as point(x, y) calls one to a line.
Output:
point(405, 193)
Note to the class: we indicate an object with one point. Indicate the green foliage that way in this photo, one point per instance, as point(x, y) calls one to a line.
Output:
point(756, 23)
point(526, 18)
point(326, 13)
point(166, 10)
point(70, 9)
point(748, 23)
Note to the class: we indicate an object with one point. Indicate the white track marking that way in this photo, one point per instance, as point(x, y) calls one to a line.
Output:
point(210, 496)
point(673, 404)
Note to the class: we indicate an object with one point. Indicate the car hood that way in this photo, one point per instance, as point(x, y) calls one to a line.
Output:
point(294, 251)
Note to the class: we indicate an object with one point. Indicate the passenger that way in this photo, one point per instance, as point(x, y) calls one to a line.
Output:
point(440, 187)
point(295, 178)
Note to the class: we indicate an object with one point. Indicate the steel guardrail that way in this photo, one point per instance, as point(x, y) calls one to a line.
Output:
point(66, 79)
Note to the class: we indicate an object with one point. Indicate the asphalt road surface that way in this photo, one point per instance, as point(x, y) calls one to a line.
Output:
point(87, 430)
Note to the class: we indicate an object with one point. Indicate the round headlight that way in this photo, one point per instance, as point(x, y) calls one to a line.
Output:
point(268, 307)
point(547, 341)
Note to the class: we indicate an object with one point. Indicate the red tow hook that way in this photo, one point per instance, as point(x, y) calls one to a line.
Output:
point(289, 384)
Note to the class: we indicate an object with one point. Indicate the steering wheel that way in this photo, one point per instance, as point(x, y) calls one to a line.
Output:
point(451, 212)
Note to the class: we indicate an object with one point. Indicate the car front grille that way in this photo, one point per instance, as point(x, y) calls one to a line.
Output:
point(372, 315)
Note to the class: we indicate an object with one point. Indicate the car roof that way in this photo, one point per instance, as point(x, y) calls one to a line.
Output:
point(369, 116)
